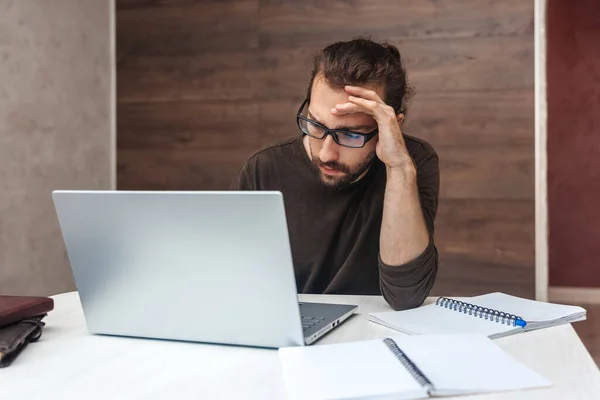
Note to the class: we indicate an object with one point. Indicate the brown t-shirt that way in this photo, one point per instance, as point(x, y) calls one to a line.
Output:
point(334, 233)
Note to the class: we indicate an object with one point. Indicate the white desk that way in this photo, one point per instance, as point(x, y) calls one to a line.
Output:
point(68, 363)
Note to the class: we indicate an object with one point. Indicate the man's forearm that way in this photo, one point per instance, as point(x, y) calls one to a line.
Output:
point(403, 231)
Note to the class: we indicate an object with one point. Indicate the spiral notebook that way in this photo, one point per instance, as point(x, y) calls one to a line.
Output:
point(404, 367)
point(494, 315)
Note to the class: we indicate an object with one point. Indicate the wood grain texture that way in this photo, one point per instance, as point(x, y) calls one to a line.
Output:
point(220, 76)
point(294, 21)
point(474, 118)
point(185, 27)
point(486, 172)
point(178, 169)
point(496, 63)
point(185, 112)
point(199, 125)
point(485, 245)
point(202, 85)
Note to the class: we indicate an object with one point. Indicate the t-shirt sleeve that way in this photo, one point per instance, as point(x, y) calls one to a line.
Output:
point(246, 177)
point(408, 285)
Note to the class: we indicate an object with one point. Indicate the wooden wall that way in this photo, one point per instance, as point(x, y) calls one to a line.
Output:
point(202, 84)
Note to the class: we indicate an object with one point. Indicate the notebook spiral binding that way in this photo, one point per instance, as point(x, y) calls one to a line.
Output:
point(408, 364)
point(481, 312)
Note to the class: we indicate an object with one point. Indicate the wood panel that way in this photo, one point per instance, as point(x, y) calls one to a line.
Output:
point(294, 21)
point(475, 118)
point(201, 85)
point(178, 169)
point(186, 118)
point(485, 245)
point(500, 63)
point(199, 125)
point(185, 27)
point(485, 172)
point(219, 76)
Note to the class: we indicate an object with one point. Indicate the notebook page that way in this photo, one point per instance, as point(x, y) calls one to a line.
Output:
point(346, 370)
point(435, 319)
point(529, 310)
point(464, 364)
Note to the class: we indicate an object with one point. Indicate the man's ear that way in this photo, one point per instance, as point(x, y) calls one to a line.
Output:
point(400, 118)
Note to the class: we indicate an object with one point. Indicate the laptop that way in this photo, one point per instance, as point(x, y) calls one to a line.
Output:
point(202, 266)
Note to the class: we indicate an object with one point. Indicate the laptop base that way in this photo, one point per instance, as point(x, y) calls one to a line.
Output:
point(320, 318)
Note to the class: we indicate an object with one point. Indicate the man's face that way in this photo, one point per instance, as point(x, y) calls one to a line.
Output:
point(337, 166)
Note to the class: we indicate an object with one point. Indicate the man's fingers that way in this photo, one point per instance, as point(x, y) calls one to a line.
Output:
point(370, 105)
point(380, 111)
point(363, 92)
point(348, 108)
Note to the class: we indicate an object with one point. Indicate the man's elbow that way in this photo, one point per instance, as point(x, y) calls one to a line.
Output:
point(401, 303)
point(401, 297)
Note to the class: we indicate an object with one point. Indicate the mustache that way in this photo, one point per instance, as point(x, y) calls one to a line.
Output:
point(333, 165)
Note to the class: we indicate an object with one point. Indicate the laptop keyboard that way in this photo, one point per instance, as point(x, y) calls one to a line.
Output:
point(309, 322)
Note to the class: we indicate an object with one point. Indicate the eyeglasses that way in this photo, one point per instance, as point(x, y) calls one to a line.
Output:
point(342, 137)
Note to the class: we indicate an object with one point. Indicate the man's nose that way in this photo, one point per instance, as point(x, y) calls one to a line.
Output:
point(330, 150)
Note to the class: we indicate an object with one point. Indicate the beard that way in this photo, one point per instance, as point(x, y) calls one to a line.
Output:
point(349, 175)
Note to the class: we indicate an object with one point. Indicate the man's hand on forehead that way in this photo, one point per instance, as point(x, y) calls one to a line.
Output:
point(391, 148)
point(361, 100)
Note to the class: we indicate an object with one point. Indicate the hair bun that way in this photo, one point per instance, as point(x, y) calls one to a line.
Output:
point(393, 51)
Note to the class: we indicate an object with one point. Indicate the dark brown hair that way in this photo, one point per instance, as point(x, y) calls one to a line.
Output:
point(362, 61)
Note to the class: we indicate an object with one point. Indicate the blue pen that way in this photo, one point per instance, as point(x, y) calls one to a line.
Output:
point(520, 322)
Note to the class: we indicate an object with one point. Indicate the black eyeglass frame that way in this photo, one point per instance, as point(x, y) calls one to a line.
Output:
point(333, 132)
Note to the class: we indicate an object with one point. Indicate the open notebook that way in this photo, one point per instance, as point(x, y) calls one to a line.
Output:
point(406, 367)
point(494, 315)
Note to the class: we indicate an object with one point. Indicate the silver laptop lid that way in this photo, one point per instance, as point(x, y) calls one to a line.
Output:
point(197, 266)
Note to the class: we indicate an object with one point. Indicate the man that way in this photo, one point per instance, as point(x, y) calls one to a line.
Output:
point(360, 196)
